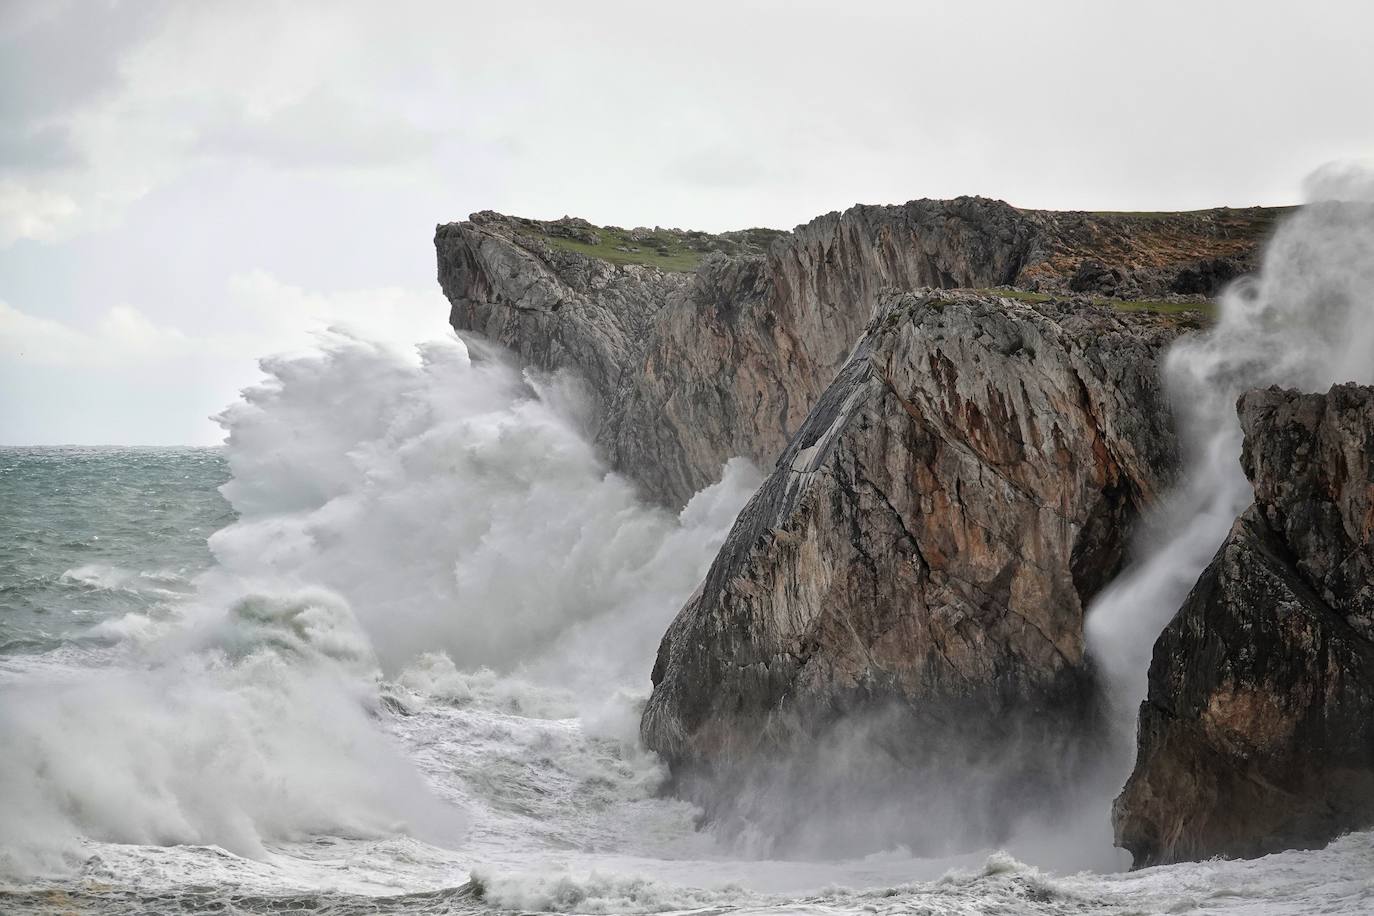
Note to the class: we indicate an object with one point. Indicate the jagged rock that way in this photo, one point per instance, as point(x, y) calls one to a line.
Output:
point(912, 576)
point(1092, 276)
point(1257, 734)
point(686, 369)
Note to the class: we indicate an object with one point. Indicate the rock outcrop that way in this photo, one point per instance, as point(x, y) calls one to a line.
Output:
point(1258, 731)
point(684, 370)
point(697, 348)
point(903, 599)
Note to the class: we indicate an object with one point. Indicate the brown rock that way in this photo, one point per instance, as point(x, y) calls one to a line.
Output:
point(688, 369)
point(905, 593)
point(1258, 731)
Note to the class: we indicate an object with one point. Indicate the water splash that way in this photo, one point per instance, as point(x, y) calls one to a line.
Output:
point(443, 511)
point(1305, 321)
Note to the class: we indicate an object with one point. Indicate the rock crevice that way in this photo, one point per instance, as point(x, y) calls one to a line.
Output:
point(907, 564)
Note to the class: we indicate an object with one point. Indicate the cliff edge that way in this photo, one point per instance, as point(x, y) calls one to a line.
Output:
point(697, 348)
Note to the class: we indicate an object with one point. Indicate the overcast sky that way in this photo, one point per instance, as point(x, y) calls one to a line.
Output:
point(187, 186)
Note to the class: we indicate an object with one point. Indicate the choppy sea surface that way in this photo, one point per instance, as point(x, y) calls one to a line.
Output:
point(384, 653)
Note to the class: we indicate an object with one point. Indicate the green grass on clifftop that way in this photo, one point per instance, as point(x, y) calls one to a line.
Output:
point(1205, 309)
point(666, 249)
point(664, 253)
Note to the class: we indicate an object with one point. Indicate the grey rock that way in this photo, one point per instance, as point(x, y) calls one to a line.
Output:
point(688, 369)
point(907, 588)
point(1257, 733)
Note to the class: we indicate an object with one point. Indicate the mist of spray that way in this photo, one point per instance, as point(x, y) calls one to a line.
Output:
point(458, 507)
point(1305, 321)
point(441, 521)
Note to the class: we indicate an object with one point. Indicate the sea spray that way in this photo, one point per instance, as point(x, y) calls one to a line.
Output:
point(440, 518)
point(1306, 321)
point(459, 508)
point(263, 732)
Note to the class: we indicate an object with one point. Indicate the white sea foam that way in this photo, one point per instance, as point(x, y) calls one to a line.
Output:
point(263, 734)
point(163, 582)
point(440, 519)
point(458, 510)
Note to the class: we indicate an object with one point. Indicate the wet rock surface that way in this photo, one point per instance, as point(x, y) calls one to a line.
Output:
point(898, 612)
point(1258, 731)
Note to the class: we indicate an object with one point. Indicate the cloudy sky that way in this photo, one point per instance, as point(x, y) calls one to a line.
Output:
point(187, 186)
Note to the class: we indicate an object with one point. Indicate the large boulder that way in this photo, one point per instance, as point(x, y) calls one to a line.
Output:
point(889, 646)
point(1257, 734)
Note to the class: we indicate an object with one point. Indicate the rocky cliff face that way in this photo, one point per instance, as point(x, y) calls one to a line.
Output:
point(698, 348)
point(684, 370)
point(1258, 731)
point(900, 607)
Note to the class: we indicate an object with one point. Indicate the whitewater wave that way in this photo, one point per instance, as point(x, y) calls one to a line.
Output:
point(440, 521)
point(264, 734)
point(106, 577)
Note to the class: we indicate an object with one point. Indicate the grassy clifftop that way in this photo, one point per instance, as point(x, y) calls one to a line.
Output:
point(666, 249)
point(1160, 261)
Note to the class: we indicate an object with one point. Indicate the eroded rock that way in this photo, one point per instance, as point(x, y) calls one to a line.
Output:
point(892, 635)
point(1258, 731)
point(697, 348)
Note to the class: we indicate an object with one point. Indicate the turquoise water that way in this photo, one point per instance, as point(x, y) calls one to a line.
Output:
point(91, 533)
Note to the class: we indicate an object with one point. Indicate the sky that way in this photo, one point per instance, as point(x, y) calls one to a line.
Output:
point(186, 187)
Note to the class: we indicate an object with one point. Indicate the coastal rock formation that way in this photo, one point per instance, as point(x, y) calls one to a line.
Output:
point(696, 348)
point(683, 370)
point(1258, 731)
point(905, 593)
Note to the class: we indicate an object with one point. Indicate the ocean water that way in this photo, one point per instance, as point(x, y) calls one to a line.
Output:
point(384, 652)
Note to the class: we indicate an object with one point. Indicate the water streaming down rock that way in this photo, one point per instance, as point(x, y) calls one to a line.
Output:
point(1306, 321)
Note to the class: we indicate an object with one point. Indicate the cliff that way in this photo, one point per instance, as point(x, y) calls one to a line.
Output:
point(696, 348)
point(901, 604)
point(1257, 734)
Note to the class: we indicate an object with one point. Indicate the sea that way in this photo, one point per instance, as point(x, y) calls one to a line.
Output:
point(384, 651)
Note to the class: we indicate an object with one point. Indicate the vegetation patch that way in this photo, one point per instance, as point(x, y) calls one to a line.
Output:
point(665, 249)
point(1205, 309)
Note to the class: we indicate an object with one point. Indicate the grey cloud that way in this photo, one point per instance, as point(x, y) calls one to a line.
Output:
point(57, 56)
point(744, 113)
point(717, 167)
point(321, 130)
point(25, 149)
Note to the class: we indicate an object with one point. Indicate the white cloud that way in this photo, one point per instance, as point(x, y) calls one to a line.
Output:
point(284, 316)
point(123, 350)
point(233, 169)
point(30, 338)
point(28, 212)
point(320, 130)
point(268, 316)
point(123, 336)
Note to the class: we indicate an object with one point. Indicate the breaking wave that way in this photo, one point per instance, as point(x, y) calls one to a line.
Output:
point(436, 520)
